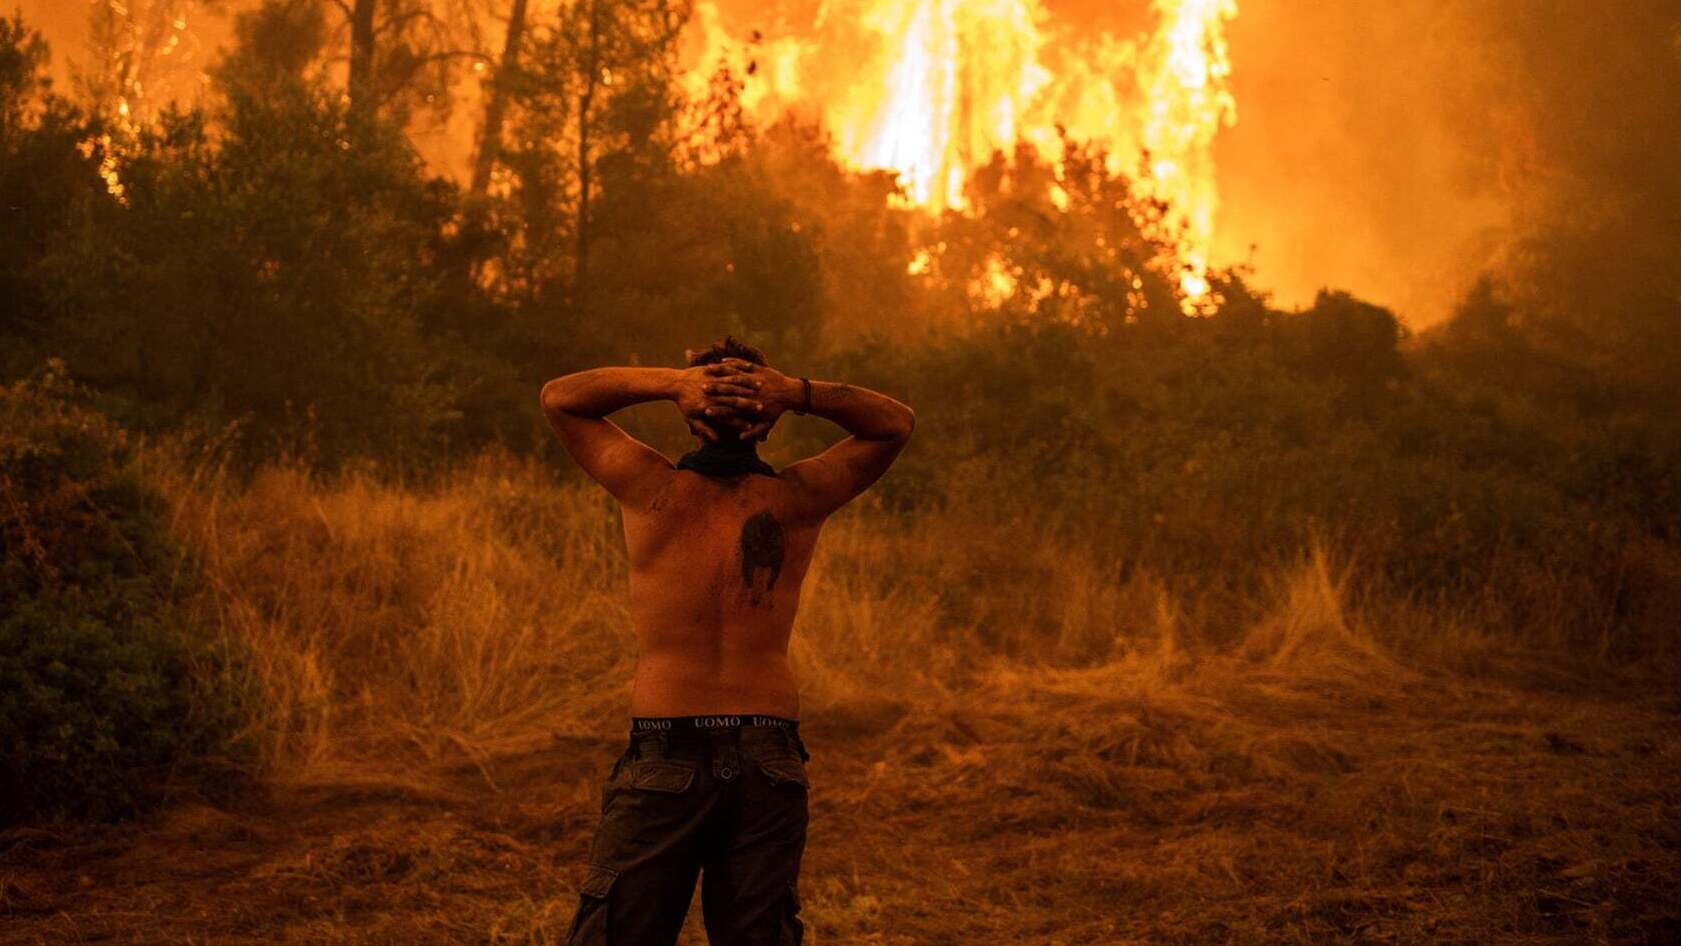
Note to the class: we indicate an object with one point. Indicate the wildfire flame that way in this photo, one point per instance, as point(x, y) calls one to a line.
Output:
point(1188, 103)
point(931, 89)
point(961, 76)
point(140, 44)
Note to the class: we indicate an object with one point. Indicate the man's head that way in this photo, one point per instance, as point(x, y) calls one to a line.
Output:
point(729, 347)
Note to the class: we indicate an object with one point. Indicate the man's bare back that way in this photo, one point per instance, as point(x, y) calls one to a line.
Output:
point(717, 561)
point(716, 566)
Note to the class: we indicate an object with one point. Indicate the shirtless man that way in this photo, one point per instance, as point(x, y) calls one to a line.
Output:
point(713, 780)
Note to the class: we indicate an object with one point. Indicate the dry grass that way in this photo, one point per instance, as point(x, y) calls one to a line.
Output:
point(383, 620)
point(1013, 742)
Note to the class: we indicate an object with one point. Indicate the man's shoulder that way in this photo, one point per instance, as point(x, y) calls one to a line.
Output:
point(696, 490)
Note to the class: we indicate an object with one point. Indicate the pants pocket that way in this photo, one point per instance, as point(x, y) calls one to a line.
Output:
point(589, 924)
point(660, 776)
point(785, 771)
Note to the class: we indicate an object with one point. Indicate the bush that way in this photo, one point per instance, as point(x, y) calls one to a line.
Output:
point(1203, 454)
point(108, 697)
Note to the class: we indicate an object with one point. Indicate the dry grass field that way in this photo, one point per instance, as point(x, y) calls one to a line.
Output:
point(1009, 745)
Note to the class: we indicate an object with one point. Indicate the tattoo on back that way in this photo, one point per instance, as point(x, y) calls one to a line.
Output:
point(762, 548)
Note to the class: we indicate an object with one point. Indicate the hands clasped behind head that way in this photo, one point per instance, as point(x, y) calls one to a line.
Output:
point(730, 400)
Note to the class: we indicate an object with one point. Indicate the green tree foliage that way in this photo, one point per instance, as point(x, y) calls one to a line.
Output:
point(278, 261)
point(45, 170)
point(1349, 343)
point(105, 690)
point(1093, 261)
point(23, 55)
point(596, 85)
point(862, 245)
point(275, 274)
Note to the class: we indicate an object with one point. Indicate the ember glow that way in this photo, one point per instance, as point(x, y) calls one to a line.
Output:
point(933, 89)
point(145, 58)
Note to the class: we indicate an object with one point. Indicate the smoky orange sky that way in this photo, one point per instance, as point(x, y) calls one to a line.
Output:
point(1359, 156)
point(1378, 147)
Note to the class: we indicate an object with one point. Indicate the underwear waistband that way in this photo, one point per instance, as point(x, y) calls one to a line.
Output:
point(710, 723)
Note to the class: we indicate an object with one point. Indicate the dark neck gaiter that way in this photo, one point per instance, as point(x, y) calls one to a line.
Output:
point(726, 459)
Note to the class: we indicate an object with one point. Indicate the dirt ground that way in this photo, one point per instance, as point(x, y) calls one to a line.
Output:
point(1238, 805)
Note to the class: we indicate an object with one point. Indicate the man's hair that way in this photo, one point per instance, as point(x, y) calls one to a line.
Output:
point(730, 347)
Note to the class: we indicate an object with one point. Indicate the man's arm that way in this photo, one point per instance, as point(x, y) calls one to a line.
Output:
point(577, 406)
point(879, 427)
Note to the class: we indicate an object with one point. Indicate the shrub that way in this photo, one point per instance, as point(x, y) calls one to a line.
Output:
point(1202, 453)
point(108, 697)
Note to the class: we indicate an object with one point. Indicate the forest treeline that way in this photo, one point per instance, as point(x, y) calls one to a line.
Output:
point(276, 280)
point(279, 270)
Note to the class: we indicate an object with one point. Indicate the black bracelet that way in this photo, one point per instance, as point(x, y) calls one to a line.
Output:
point(807, 409)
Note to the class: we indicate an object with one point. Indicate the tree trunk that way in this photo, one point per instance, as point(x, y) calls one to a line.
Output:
point(592, 71)
point(490, 145)
point(361, 56)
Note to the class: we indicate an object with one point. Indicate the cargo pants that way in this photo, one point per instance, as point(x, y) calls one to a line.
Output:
point(722, 797)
